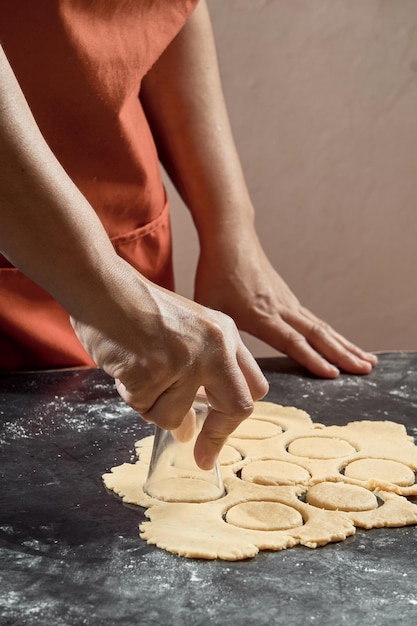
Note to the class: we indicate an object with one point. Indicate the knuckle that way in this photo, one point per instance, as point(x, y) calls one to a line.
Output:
point(215, 335)
point(243, 409)
point(319, 330)
point(219, 327)
point(238, 411)
point(291, 339)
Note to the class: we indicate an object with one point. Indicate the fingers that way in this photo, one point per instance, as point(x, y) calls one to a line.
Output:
point(216, 429)
point(331, 345)
point(283, 337)
point(183, 427)
point(232, 401)
point(169, 407)
point(315, 345)
point(298, 348)
point(256, 381)
point(365, 356)
point(231, 391)
point(215, 358)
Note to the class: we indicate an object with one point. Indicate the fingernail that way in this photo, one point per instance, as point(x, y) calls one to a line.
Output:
point(120, 387)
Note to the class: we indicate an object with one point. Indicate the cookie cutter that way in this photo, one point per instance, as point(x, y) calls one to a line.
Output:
point(173, 474)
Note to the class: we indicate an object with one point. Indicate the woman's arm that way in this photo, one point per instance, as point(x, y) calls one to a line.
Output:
point(183, 100)
point(159, 346)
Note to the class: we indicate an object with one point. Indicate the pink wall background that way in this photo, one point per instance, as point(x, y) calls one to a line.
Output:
point(322, 96)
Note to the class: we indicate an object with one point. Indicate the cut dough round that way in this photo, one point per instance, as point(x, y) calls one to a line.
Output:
point(341, 497)
point(184, 490)
point(228, 455)
point(256, 429)
point(272, 472)
point(381, 469)
point(320, 447)
point(264, 516)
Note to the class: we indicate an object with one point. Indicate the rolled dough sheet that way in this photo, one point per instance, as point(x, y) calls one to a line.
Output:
point(288, 481)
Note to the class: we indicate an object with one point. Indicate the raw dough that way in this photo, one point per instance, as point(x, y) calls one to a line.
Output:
point(381, 469)
point(274, 473)
point(264, 430)
point(264, 516)
point(340, 497)
point(320, 448)
point(181, 489)
point(288, 481)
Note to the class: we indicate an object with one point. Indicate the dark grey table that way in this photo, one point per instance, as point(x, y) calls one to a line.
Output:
point(70, 552)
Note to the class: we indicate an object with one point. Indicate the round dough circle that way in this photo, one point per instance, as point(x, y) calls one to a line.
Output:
point(256, 429)
point(264, 516)
point(180, 489)
point(228, 455)
point(381, 469)
point(272, 472)
point(320, 447)
point(341, 497)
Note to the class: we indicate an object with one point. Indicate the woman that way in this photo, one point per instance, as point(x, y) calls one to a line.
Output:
point(84, 226)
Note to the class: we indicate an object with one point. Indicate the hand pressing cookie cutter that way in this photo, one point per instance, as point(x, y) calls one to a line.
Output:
point(173, 474)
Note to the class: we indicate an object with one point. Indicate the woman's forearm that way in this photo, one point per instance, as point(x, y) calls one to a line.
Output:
point(183, 99)
point(47, 228)
point(184, 103)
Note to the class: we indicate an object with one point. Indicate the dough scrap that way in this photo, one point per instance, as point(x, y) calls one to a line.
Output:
point(299, 483)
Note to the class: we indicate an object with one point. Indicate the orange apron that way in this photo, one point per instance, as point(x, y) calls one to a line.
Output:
point(80, 66)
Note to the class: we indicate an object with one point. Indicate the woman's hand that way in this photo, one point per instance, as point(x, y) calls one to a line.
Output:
point(161, 347)
point(240, 281)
